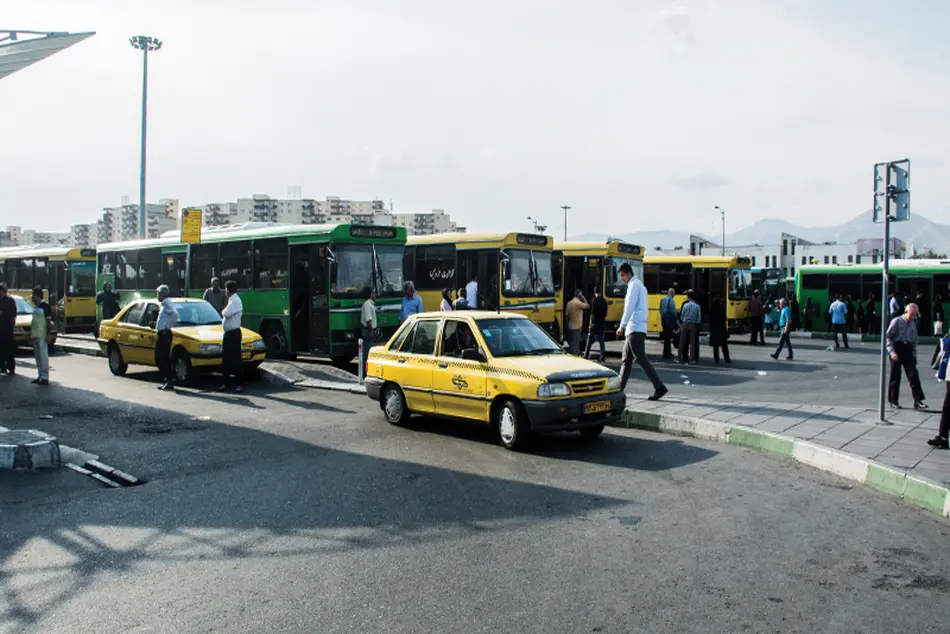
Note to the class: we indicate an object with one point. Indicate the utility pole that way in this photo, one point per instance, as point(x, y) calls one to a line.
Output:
point(145, 44)
point(566, 208)
point(723, 212)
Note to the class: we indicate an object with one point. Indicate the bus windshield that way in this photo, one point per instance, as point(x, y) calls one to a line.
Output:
point(740, 283)
point(528, 274)
point(362, 266)
point(82, 279)
point(613, 285)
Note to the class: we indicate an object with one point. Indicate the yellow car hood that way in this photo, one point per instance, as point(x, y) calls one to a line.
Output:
point(211, 334)
point(555, 367)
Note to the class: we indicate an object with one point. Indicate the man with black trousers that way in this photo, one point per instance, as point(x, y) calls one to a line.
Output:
point(598, 317)
point(7, 322)
point(231, 366)
point(902, 347)
point(756, 312)
point(669, 322)
point(167, 318)
point(633, 326)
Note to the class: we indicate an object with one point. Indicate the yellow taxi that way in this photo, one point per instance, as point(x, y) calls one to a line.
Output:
point(24, 323)
point(500, 369)
point(129, 338)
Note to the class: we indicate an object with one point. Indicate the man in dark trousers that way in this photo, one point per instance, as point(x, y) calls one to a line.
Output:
point(669, 321)
point(231, 365)
point(757, 312)
point(690, 319)
point(7, 322)
point(633, 326)
point(598, 317)
point(109, 300)
point(167, 318)
point(902, 347)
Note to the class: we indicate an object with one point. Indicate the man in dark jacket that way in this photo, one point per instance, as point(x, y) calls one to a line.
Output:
point(7, 322)
point(109, 300)
point(598, 317)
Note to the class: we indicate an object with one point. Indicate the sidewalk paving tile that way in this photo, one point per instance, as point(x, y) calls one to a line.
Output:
point(941, 476)
point(864, 450)
point(780, 424)
point(812, 428)
point(911, 417)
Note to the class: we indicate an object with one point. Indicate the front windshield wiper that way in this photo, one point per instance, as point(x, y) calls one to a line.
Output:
point(530, 353)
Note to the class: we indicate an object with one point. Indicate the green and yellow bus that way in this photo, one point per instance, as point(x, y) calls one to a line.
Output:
point(821, 282)
point(585, 266)
point(66, 274)
point(729, 277)
point(302, 286)
point(513, 271)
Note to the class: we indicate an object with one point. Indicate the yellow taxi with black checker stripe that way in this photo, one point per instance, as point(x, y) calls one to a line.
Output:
point(501, 369)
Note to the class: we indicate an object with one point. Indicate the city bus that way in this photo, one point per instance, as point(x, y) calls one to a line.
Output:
point(513, 271)
point(729, 277)
point(67, 276)
point(302, 286)
point(821, 282)
point(585, 266)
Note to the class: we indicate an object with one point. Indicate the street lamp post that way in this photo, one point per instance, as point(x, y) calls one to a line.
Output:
point(145, 44)
point(723, 212)
point(566, 208)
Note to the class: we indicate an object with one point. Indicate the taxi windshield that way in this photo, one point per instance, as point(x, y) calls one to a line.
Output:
point(196, 314)
point(516, 338)
point(22, 306)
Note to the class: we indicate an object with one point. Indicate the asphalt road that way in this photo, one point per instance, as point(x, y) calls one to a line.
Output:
point(290, 510)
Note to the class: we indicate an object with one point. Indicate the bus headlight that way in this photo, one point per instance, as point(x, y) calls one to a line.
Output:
point(547, 390)
point(210, 348)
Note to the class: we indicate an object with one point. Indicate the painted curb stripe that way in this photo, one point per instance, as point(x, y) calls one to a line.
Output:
point(762, 441)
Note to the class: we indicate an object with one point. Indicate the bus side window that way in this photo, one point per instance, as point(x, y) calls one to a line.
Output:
point(557, 269)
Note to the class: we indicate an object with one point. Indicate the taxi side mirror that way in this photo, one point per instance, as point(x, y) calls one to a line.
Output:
point(472, 354)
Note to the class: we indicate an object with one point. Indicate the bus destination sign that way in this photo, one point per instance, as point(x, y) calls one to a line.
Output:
point(365, 231)
point(532, 239)
point(628, 248)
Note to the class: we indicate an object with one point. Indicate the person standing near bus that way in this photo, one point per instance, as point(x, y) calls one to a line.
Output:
point(894, 308)
point(870, 314)
point(461, 302)
point(40, 327)
point(411, 303)
point(231, 366)
point(849, 315)
point(757, 312)
point(574, 321)
point(109, 300)
point(690, 318)
point(471, 292)
point(167, 318)
point(633, 326)
point(446, 300)
point(598, 324)
point(718, 330)
point(809, 314)
point(368, 323)
point(839, 314)
point(7, 323)
point(901, 339)
point(216, 295)
point(669, 321)
point(785, 327)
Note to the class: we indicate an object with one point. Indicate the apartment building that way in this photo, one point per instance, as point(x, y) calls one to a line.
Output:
point(15, 236)
point(85, 235)
point(122, 223)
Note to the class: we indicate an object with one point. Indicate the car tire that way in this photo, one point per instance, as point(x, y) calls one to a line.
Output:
point(276, 340)
point(117, 364)
point(512, 425)
point(592, 432)
point(181, 367)
point(393, 403)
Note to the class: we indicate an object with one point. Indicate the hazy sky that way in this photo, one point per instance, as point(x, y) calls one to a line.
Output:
point(640, 114)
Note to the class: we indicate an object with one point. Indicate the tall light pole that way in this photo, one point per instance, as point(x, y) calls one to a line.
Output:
point(538, 227)
point(723, 212)
point(566, 208)
point(145, 44)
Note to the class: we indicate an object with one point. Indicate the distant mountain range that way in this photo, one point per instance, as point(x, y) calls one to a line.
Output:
point(918, 231)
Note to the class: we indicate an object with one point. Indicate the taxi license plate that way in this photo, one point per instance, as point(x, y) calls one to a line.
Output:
point(245, 356)
point(596, 407)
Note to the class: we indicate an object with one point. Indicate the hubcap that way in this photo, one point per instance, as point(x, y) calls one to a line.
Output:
point(507, 424)
point(393, 405)
point(114, 359)
point(181, 371)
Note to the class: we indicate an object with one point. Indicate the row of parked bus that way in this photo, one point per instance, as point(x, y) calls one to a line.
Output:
point(302, 285)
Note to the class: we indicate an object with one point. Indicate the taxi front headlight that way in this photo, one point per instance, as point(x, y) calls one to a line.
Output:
point(613, 383)
point(210, 348)
point(259, 344)
point(547, 390)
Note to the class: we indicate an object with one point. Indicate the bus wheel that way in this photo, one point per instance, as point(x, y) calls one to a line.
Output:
point(181, 366)
point(117, 364)
point(276, 341)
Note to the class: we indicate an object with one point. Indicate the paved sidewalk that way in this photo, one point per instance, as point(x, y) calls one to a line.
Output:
point(902, 445)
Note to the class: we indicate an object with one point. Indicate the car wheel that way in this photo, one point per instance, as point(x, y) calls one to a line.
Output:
point(592, 432)
point(394, 405)
point(276, 340)
point(512, 425)
point(181, 366)
point(117, 364)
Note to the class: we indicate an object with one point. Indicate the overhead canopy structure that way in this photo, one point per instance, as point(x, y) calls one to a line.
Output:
point(19, 49)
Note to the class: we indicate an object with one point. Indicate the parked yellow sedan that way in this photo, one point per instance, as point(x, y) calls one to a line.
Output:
point(493, 368)
point(129, 338)
point(24, 322)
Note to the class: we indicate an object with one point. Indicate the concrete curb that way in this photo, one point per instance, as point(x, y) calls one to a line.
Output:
point(75, 348)
point(919, 491)
point(275, 376)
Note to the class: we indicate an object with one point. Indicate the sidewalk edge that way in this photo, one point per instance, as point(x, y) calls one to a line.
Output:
point(275, 376)
point(919, 491)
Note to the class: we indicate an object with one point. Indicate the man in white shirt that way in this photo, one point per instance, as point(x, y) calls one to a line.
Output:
point(167, 318)
point(368, 324)
point(231, 365)
point(471, 292)
point(633, 326)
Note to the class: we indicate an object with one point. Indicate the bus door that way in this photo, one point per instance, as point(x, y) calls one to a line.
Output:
point(483, 264)
point(174, 273)
point(300, 298)
point(320, 262)
point(309, 298)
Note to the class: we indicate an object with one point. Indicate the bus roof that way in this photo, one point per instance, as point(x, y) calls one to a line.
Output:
point(47, 251)
point(736, 261)
point(609, 247)
point(481, 240)
point(895, 266)
point(251, 230)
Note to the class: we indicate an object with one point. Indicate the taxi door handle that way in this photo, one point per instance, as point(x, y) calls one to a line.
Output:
point(401, 359)
point(443, 364)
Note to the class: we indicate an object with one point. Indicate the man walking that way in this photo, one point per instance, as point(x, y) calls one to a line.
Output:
point(40, 326)
point(231, 366)
point(574, 321)
point(668, 321)
point(757, 312)
point(940, 441)
point(7, 322)
point(690, 318)
point(633, 326)
point(216, 295)
point(901, 339)
point(368, 325)
point(167, 318)
point(109, 300)
point(785, 327)
point(411, 303)
point(839, 320)
point(598, 319)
